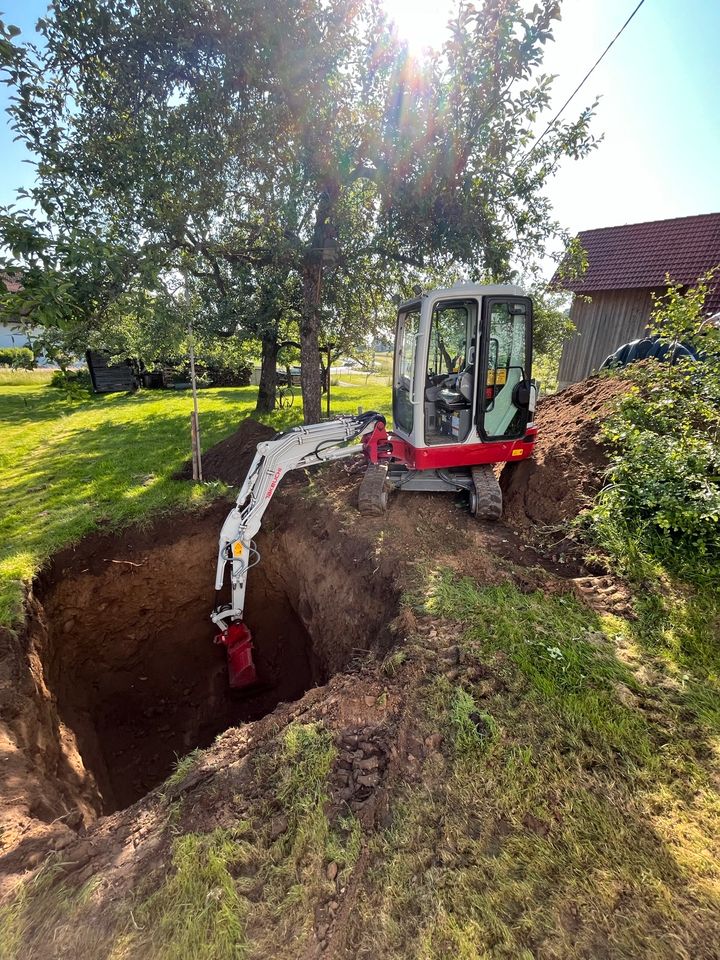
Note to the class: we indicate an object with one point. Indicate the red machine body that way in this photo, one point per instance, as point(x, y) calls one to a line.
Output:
point(381, 447)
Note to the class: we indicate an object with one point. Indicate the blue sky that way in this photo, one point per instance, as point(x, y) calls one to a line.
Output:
point(659, 86)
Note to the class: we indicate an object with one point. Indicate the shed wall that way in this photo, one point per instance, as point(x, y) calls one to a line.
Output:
point(611, 318)
point(110, 378)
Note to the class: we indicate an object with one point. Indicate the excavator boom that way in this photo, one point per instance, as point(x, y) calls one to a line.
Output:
point(300, 447)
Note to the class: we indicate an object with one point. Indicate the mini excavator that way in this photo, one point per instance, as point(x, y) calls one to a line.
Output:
point(463, 400)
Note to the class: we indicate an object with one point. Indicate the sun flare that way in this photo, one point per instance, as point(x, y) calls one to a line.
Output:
point(421, 23)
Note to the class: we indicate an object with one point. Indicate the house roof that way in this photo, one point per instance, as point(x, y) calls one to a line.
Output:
point(12, 284)
point(640, 255)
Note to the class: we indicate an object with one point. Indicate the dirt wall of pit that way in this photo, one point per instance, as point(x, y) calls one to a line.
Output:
point(567, 469)
point(43, 781)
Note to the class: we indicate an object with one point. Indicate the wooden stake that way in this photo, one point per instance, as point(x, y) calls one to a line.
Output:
point(194, 446)
point(194, 420)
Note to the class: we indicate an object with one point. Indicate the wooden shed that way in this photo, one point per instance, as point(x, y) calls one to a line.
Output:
point(111, 377)
point(626, 265)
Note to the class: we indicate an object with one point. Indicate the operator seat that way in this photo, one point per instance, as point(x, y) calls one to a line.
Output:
point(457, 391)
point(459, 395)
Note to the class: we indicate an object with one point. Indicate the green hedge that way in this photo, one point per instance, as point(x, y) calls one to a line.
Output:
point(19, 357)
point(662, 497)
point(78, 379)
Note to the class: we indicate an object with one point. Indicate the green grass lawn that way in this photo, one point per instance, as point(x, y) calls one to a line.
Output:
point(67, 467)
point(575, 813)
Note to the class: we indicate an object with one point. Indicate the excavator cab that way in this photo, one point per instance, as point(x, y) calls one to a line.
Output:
point(462, 374)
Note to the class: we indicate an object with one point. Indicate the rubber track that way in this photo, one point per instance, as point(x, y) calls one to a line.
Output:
point(372, 496)
point(489, 494)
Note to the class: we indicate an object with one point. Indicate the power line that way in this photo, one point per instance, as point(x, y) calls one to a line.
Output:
point(581, 84)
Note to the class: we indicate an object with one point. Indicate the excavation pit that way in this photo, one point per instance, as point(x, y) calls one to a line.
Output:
point(125, 644)
point(115, 675)
point(140, 693)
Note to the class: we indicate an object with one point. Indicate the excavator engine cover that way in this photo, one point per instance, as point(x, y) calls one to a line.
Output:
point(241, 669)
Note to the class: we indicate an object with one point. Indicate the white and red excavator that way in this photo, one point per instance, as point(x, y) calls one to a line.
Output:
point(463, 400)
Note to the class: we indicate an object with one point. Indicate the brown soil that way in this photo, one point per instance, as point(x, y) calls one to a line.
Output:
point(569, 460)
point(230, 459)
point(128, 644)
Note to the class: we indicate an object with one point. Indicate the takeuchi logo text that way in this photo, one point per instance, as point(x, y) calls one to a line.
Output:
point(275, 481)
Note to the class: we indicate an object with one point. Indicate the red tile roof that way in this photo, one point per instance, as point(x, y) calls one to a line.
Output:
point(12, 284)
point(639, 255)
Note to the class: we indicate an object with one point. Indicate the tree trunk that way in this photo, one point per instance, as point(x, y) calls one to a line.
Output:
point(324, 374)
point(310, 377)
point(312, 274)
point(267, 392)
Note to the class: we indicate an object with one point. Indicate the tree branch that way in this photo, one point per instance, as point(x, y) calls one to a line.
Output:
point(363, 172)
point(398, 257)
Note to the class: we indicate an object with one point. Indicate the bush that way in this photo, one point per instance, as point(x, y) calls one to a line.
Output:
point(21, 358)
point(76, 383)
point(663, 495)
point(226, 377)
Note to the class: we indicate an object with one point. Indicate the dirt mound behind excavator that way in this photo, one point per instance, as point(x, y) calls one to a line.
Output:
point(229, 460)
point(548, 490)
point(567, 469)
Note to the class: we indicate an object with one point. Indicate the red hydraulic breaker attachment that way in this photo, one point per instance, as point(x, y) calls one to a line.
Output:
point(238, 640)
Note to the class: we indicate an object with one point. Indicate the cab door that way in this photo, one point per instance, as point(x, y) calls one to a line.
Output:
point(505, 388)
point(407, 332)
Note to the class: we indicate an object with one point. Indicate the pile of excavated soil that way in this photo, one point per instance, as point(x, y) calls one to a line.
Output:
point(567, 469)
point(229, 460)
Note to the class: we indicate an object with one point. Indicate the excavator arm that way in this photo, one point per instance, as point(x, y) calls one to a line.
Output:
point(305, 446)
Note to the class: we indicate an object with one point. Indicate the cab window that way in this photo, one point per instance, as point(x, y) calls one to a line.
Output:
point(408, 327)
point(448, 352)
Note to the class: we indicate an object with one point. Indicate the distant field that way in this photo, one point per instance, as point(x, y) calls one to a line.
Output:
point(23, 378)
point(380, 375)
